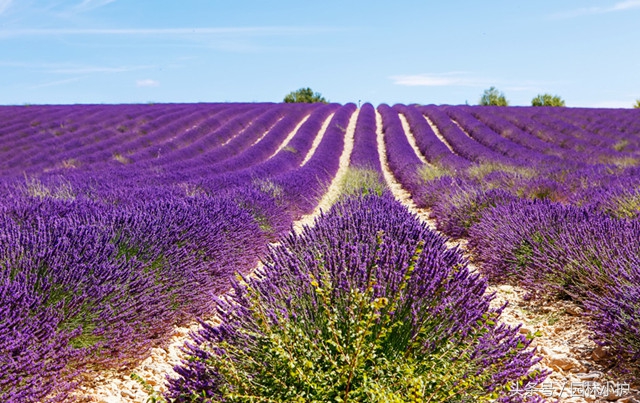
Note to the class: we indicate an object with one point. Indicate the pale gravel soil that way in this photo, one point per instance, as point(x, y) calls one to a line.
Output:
point(564, 343)
point(289, 136)
point(113, 386)
point(412, 139)
point(462, 129)
point(269, 129)
point(438, 134)
point(317, 140)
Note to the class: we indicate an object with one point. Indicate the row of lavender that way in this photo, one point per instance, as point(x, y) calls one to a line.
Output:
point(45, 138)
point(101, 258)
point(548, 198)
point(158, 139)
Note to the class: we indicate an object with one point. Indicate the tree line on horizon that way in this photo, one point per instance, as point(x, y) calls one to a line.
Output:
point(494, 97)
point(491, 97)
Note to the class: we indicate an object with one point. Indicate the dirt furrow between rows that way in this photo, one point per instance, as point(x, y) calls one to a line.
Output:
point(317, 140)
point(439, 135)
point(290, 136)
point(412, 139)
point(334, 189)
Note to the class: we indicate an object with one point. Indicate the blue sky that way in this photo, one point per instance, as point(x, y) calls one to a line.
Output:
point(442, 52)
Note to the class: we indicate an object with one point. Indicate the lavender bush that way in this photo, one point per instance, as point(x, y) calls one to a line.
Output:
point(369, 305)
point(464, 207)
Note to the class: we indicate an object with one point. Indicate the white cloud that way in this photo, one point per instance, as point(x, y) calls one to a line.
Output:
point(147, 83)
point(625, 5)
point(450, 79)
point(620, 6)
point(4, 5)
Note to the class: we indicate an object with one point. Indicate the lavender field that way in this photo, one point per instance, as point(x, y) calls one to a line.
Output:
point(120, 222)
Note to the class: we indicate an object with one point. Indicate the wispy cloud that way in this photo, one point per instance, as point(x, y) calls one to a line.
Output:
point(625, 5)
point(4, 5)
point(619, 6)
point(96, 69)
point(147, 83)
point(71, 68)
point(471, 80)
point(255, 31)
point(451, 79)
point(56, 83)
point(91, 4)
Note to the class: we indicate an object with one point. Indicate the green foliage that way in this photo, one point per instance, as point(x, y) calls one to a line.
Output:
point(267, 186)
point(625, 205)
point(522, 256)
point(637, 104)
point(432, 172)
point(480, 170)
point(620, 145)
point(304, 95)
point(467, 206)
point(624, 162)
point(35, 188)
point(547, 100)
point(493, 97)
point(154, 395)
point(354, 349)
point(362, 181)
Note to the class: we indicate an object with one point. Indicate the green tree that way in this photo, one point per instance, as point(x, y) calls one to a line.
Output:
point(547, 100)
point(304, 95)
point(637, 104)
point(493, 97)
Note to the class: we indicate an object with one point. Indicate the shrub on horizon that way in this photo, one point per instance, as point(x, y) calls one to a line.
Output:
point(493, 96)
point(304, 95)
point(547, 100)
